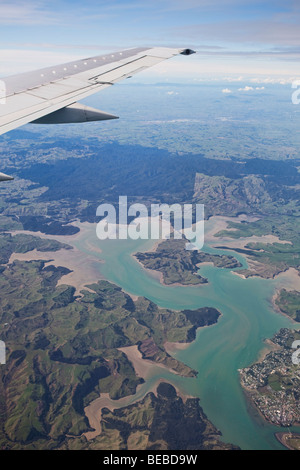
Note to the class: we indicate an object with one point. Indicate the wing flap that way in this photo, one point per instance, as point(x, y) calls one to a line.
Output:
point(125, 70)
point(49, 92)
point(16, 103)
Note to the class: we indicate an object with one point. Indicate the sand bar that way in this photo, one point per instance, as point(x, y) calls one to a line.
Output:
point(84, 268)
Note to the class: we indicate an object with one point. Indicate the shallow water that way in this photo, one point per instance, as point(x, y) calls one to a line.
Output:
point(219, 350)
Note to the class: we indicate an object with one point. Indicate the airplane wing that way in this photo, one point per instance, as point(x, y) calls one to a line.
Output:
point(50, 95)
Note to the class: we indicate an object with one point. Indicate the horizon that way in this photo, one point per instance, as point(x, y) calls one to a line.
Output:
point(231, 37)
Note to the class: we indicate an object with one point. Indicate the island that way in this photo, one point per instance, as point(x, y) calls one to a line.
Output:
point(180, 266)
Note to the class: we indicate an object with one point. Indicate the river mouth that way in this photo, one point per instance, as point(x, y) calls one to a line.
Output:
point(219, 351)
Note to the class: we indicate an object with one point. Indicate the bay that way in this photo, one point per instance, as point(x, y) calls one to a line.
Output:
point(219, 351)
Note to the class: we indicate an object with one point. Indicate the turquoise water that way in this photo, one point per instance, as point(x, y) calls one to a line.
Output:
point(219, 350)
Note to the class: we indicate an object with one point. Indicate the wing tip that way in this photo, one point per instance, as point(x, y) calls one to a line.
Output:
point(4, 177)
point(187, 52)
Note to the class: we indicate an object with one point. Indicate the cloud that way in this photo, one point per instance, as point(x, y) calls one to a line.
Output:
point(226, 90)
point(204, 5)
point(26, 13)
point(48, 45)
point(273, 80)
point(233, 79)
point(56, 12)
point(267, 32)
point(18, 61)
point(250, 88)
point(246, 88)
point(291, 53)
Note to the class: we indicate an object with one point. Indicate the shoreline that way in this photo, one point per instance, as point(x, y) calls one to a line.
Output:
point(173, 348)
point(277, 309)
point(155, 274)
point(220, 222)
point(250, 393)
point(257, 414)
point(143, 368)
point(87, 271)
point(290, 281)
point(96, 409)
point(93, 411)
point(282, 437)
point(84, 269)
point(269, 347)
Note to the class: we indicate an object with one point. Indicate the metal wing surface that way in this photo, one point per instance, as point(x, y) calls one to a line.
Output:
point(51, 95)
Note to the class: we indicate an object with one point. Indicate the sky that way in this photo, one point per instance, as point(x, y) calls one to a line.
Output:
point(233, 38)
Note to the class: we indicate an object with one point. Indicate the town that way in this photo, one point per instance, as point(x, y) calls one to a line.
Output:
point(273, 384)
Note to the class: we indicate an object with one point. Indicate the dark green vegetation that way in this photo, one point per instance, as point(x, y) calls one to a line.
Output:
point(21, 243)
point(62, 350)
point(66, 187)
point(273, 384)
point(197, 117)
point(71, 188)
point(256, 191)
point(44, 225)
point(287, 228)
point(272, 258)
point(157, 423)
point(179, 265)
point(289, 303)
point(156, 174)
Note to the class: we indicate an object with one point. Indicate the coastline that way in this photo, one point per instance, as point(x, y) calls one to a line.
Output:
point(220, 222)
point(172, 348)
point(104, 400)
point(283, 437)
point(143, 368)
point(84, 268)
point(160, 277)
point(250, 395)
point(290, 281)
point(269, 347)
